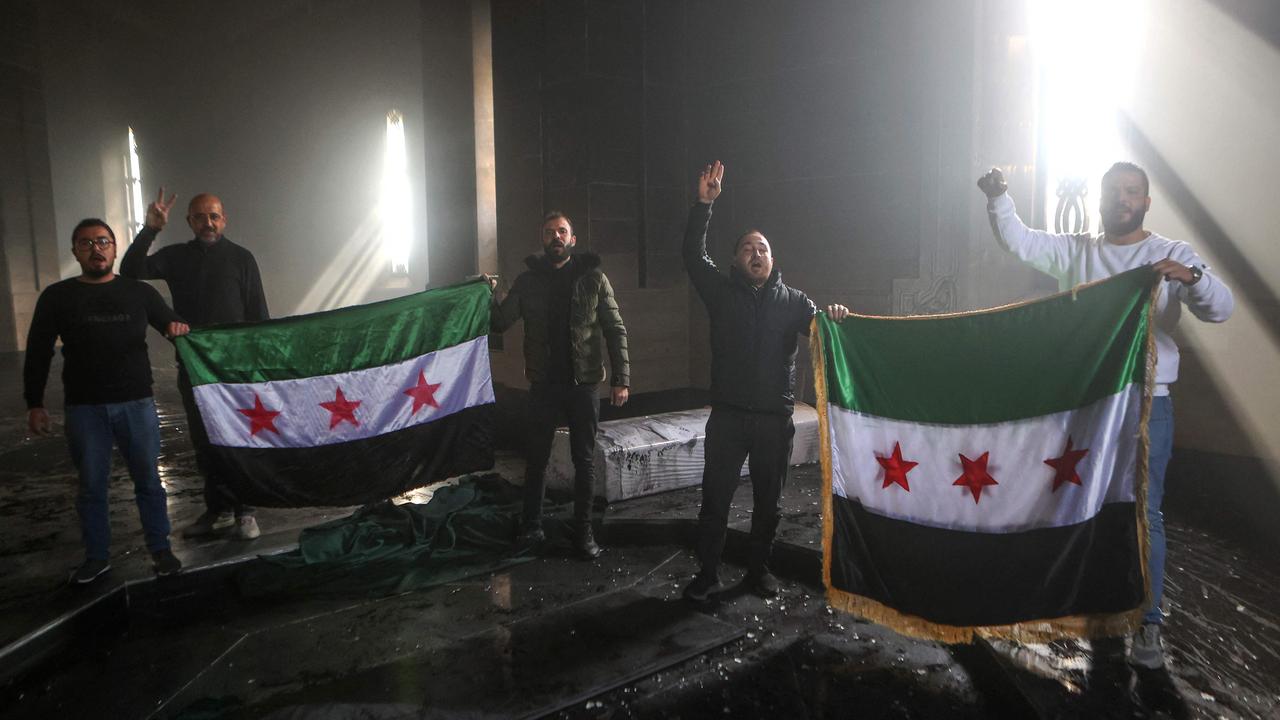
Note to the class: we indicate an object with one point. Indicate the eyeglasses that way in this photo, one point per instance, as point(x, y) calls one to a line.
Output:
point(102, 243)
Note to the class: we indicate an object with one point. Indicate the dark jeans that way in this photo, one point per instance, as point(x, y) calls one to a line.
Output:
point(218, 496)
point(548, 404)
point(732, 436)
point(133, 427)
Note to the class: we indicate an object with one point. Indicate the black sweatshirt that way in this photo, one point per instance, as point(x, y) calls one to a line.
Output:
point(754, 331)
point(210, 284)
point(559, 307)
point(103, 327)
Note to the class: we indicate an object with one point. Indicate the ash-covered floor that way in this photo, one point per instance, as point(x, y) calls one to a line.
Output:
point(603, 639)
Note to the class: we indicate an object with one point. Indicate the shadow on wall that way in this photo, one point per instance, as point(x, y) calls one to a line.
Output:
point(1232, 495)
point(1248, 282)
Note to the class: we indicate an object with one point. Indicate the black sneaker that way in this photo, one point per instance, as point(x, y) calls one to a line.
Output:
point(701, 587)
point(89, 571)
point(165, 563)
point(585, 543)
point(528, 540)
point(762, 583)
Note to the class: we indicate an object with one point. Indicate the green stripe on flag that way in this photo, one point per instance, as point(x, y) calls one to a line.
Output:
point(1042, 357)
point(335, 341)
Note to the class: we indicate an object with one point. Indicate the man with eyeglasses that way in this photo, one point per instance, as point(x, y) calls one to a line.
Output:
point(106, 376)
point(213, 281)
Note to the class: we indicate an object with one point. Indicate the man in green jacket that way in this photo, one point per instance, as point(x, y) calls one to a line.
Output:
point(568, 308)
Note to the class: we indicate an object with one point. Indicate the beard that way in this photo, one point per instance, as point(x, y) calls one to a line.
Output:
point(94, 272)
point(1116, 226)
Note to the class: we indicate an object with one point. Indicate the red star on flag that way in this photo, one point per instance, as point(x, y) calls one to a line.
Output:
point(424, 393)
point(342, 409)
point(975, 475)
point(260, 418)
point(1065, 466)
point(895, 468)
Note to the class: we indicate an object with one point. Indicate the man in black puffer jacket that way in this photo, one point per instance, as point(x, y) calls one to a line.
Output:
point(755, 321)
point(568, 309)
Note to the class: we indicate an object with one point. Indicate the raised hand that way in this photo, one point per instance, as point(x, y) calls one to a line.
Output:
point(709, 182)
point(158, 211)
point(993, 183)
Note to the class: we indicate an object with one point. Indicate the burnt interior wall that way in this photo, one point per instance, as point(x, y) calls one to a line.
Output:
point(845, 128)
point(588, 120)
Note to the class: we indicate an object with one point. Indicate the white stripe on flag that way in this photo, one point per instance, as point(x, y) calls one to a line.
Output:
point(462, 372)
point(1024, 497)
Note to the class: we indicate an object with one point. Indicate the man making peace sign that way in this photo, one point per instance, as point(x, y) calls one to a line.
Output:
point(212, 281)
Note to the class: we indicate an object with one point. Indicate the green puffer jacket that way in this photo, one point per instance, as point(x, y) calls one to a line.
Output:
point(594, 316)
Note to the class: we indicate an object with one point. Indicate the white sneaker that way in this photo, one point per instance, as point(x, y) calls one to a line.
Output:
point(209, 523)
point(1147, 649)
point(246, 528)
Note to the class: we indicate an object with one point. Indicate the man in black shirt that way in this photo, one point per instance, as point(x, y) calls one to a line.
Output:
point(213, 281)
point(102, 320)
point(569, 311)
point(755, 324)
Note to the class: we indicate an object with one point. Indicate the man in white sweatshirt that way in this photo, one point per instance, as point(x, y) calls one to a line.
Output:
point(1124, 245)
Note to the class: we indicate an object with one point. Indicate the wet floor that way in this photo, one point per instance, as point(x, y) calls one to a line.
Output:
point(602, 639)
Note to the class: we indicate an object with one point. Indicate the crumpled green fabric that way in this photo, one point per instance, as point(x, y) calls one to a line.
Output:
point(384, 549)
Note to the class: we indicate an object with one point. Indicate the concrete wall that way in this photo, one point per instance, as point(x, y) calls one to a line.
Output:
point(29, 247)
point(280, 109)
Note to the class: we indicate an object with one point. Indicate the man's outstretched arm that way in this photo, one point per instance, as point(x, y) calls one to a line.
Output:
point(702, 271)
point(1047, 252)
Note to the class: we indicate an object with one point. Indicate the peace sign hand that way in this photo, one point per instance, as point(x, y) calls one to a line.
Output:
point(158, 211)
point(709, 182)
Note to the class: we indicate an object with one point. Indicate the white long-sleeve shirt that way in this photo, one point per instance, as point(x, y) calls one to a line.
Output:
point(1075, 259)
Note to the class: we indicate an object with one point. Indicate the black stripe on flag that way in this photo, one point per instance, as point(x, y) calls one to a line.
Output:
point(962, 578)
point(360, 471)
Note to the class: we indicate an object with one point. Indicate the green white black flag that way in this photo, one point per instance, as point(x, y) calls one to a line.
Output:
point(986, 471)
point(348, 406)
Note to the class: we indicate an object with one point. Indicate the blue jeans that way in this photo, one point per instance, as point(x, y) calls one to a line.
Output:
point(134, 428)
point(1160, 433)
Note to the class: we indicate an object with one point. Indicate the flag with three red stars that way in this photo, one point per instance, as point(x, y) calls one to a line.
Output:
point(986, 471)
point(348, 406)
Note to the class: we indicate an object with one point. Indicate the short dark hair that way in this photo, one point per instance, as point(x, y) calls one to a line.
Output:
point(1126, 166)
point(557, 215)
point(91, 222)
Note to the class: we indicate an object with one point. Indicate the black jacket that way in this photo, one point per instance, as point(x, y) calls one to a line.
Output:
point(593, 318)
point(753, 331)
point(210, 284)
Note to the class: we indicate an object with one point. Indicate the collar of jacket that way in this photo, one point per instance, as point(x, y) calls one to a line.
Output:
point(583, 263)
point(198, 244)
point(774, 279)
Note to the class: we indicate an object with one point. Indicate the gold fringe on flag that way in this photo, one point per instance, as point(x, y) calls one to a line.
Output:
point(1033, 631)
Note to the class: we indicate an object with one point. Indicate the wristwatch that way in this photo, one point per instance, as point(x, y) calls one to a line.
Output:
point(1196, 274)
